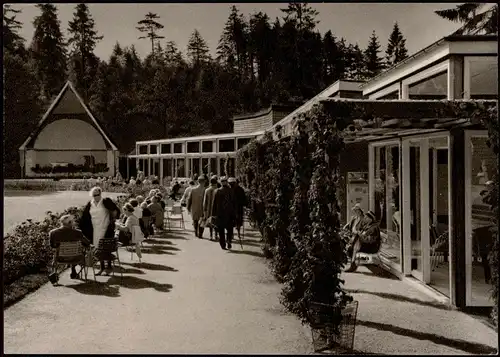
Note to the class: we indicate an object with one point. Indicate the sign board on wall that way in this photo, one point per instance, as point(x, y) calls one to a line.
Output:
point(357, 191)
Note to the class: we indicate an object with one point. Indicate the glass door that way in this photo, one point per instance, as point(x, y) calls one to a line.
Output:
point(416, 208)
point(439, 213)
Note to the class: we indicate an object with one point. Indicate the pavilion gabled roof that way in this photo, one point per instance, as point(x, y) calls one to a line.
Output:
point(67, 89)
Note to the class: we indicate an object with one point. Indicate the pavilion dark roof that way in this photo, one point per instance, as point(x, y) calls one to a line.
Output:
point(383, 119)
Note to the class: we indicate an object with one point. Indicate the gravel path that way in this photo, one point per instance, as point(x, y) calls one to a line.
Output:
point(21, 205)
point(188, 296)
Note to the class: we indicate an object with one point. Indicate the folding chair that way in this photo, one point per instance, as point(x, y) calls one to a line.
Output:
point(70, 253)
point(176, 214)
point(112, 245)
point(147, 223)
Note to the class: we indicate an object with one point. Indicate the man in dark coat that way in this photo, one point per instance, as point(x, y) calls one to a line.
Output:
point(241, 202)
point(224, 210)
point(98, 218)
point(367, 240)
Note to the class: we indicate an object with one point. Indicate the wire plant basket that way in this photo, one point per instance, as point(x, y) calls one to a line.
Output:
point(325, 336)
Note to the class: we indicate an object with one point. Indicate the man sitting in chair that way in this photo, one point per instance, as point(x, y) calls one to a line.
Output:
point(66, 233)
point(367, 240)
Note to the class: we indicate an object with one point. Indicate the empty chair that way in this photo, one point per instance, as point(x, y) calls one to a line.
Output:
point(176, 215)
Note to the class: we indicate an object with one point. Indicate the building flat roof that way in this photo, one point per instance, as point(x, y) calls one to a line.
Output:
point(197, 138)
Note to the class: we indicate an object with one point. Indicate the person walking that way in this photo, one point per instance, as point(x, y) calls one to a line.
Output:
point(195, 206)
point(98, 217)
point(187, 192)
point(224, 210)
point(208, 204)
point(241, 202)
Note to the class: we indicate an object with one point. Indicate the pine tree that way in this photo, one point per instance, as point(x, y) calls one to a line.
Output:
point(396, 48)
point(11, 39)
point(83, 40)
point(302, 15)
point(151, 27)
point(260, 45)
point(233, 44)
point(48, 51)
point(473, 19)
point(197, 49)
point(173, 56)
point(356, 63)
point(374, 63)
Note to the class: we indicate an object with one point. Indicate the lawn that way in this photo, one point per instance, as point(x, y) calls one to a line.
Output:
point(22, 205)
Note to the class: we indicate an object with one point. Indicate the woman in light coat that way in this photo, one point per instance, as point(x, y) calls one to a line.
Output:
point(195, 205)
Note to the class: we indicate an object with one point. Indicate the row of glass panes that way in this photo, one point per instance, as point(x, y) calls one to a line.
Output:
point(225, 145)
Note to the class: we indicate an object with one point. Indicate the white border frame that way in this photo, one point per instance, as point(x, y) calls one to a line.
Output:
point(469, 134)
point(467, 69)
point(440, 67)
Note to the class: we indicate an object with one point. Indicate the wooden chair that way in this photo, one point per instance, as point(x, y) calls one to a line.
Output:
point(70, 253)
point(438, 255)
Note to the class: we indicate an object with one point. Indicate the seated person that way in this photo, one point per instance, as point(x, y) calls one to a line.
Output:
point(357, 218)
point(156, 212)
point(129, 227)
point(145, 220)
point(367, 240)
point(66, 233)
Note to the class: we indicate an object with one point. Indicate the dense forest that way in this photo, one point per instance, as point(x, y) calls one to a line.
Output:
point(259, 61)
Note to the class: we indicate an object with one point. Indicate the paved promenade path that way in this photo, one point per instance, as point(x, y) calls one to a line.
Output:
point(189, 296)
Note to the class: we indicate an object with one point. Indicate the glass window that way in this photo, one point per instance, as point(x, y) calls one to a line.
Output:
point(204, 166)
point(484, 78)
point(177, 148)
point(226, 145)
point(435, 87)
point(213, 166)
point(166, 149)
point(483, 167)
point(196, 167)
point(242, 142)
point(392, 95)
point(179, 170)
point(167, 167)
point(143, 149)
point(207, 146)
point(193, 147)
point(153, 149)
point(387, 200)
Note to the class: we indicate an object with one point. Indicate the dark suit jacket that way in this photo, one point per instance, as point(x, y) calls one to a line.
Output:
point(86, 220)
point(65, 234)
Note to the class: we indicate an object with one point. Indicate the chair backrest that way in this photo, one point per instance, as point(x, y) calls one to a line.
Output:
point(177, 210)
point(108, 244)
point(70, 249)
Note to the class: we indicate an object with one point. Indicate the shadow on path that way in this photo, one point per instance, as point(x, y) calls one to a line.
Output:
point(155, 250)
point(132, 282)
point(247, 252)
point(151, 266)
point(469, 347)
point(377, 271)
point(95, 288)
point(251, 243)
point(158, 241)
point(402, 298)
point(119, 270)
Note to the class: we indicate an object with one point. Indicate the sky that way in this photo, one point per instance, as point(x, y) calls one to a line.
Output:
point(354, 21)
